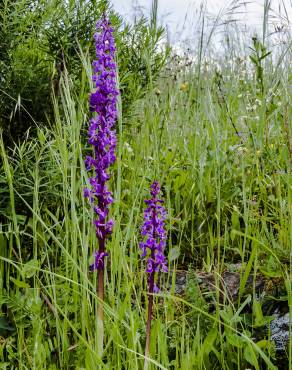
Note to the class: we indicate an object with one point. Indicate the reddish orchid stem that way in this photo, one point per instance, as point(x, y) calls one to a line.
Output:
point(100, 312)
point(148, 325)
point(100, 309)
point(149, 318)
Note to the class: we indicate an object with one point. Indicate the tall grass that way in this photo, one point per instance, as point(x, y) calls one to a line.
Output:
point(228, 196)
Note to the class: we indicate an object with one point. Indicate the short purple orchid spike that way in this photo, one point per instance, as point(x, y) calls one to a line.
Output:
point(155, 235)
point(102, 136)
point(153, 249)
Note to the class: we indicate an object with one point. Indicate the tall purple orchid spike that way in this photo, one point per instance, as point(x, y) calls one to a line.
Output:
point(102, 137)
point(103, 102)
point(153, 249)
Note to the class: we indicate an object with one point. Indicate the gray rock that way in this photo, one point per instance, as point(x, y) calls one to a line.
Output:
point(280, 331)
point(180, 282)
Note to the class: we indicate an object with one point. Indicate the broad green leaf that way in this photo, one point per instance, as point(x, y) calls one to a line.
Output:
point(30, 268)
point(235, 340)
point(225, 316)
point(250, 356)
point(273, 274)
point(209, 341)
point(174, 253)
point(258, 314)
point(235, 220)
point(248, 268)
point(264, 344)
point(20, 284)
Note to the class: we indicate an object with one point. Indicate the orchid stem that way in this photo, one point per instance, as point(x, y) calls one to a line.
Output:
point(149, 319)
point(100, 312)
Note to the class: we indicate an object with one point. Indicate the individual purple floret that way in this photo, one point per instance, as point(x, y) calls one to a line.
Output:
point(102, 136)
point(98, 263)
point(155, 236)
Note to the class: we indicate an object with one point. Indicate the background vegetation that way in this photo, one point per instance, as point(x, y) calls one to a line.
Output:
point(215, 129)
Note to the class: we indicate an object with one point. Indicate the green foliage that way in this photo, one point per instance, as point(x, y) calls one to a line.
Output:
point(25, 82)
point(259, 53)
point(140, 60)
point(42, 39)
point(197, 320)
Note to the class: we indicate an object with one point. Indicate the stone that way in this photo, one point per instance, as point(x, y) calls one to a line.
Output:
point(280, 331)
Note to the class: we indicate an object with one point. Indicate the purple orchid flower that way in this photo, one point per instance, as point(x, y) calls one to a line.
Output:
point(101, 135)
